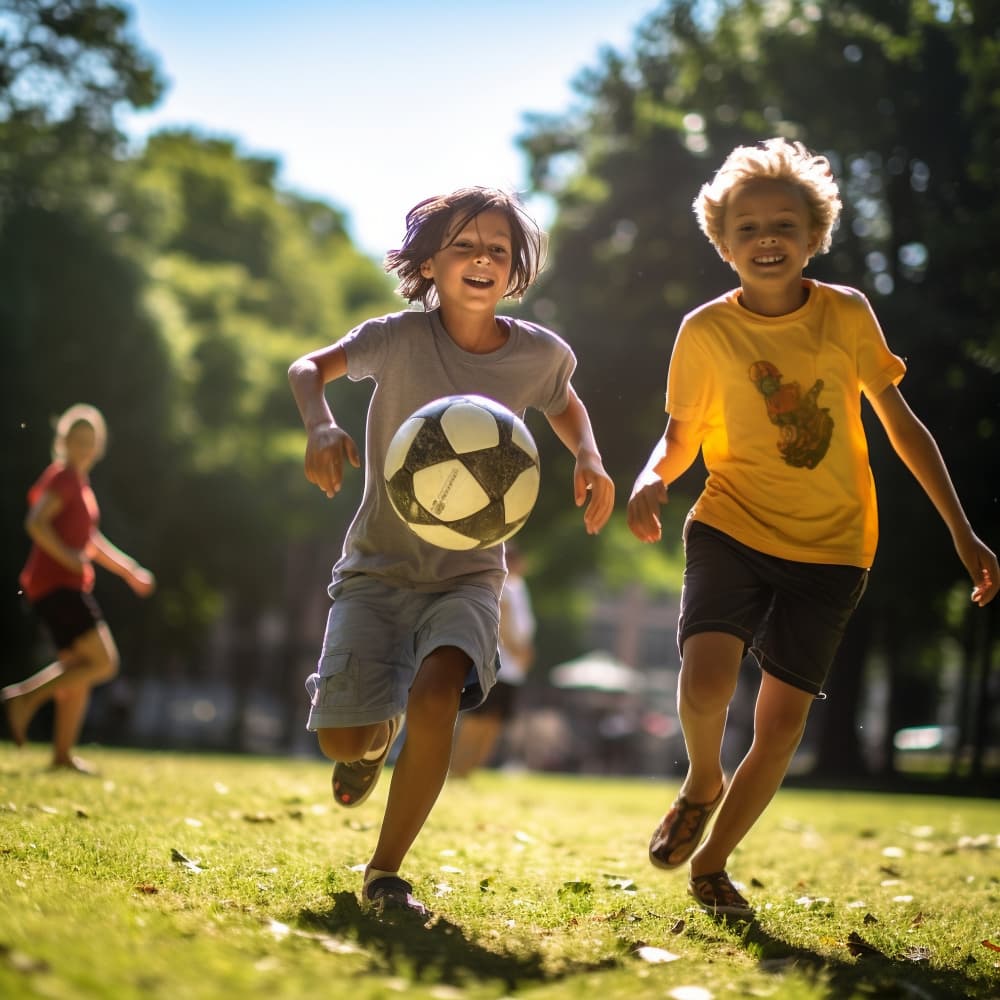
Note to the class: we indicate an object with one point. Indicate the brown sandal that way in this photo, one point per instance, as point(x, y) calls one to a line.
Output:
point(680, 831)
point(716, 893)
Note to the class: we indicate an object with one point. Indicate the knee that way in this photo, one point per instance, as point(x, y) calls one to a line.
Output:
point(432, 703)
point(111, 666)
point(703, 691)
point(783, 731)
point(96, 656)
point(780, 729)
point(344, 744)
point(102, 666)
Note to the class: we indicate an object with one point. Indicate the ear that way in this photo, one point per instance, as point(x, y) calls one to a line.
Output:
point(725, 254)
point(427, 268)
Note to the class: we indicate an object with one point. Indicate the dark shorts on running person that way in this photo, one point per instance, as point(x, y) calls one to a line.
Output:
point(68, 614)
point(500, 702)
point(790, 615)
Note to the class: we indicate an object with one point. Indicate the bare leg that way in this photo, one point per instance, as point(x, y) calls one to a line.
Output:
point(422, 766)
point(477, 736)
point(92, 659)
point(353, 742)
point(779, 721)
point(709, 672)
point(71, 709)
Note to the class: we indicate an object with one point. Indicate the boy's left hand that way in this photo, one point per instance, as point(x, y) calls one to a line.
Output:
point(981, 563)
point(590, 479)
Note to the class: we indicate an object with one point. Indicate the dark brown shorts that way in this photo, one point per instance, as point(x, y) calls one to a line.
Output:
point(67, 615)
point(790, 615)
point(500, 702)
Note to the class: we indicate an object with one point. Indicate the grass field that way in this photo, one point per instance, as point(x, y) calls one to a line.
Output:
point(202, 877)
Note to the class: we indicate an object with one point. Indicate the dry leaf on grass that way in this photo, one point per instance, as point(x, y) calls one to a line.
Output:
point(858, 946)
point(181, 859)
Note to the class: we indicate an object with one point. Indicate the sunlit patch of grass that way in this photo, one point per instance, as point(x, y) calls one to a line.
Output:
point(208, 876)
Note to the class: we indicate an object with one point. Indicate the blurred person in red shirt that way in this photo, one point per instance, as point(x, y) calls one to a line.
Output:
point(57, 580)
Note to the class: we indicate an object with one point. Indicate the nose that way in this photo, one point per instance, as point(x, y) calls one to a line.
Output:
point(767, 241)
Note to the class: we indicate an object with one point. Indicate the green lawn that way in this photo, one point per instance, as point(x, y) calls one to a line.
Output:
point(206, 876)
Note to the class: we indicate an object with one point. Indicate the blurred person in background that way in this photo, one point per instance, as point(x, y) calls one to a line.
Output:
point(57, 580)
point(481, 728)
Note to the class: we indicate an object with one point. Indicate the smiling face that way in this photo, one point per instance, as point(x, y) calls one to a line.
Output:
point(471, 271)
point(768, 239)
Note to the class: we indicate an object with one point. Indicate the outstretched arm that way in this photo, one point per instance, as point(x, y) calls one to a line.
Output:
point(327, 444)
point(916, 446)
point(573, 428)
point(671, 457)
point(108, 555)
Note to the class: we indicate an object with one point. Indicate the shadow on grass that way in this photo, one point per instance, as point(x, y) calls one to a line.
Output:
point(872, 973)
point(437, 951)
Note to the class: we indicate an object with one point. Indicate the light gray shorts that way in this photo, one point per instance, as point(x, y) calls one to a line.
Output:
point(376, 638)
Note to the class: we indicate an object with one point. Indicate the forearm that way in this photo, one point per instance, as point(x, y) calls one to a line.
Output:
point(574, 429)
point(110, 557)
point(674, 453)
point(919, 452)
point(306, 382)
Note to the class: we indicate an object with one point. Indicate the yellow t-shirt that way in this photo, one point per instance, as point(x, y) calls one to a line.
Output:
point(779, 402)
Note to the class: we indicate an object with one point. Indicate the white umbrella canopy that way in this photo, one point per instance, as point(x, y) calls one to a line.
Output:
point(597, 671)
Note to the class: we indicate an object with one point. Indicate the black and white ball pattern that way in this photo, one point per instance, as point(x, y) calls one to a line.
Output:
point(463, 472)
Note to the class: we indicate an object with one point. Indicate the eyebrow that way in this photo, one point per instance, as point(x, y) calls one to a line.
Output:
point(496, 234)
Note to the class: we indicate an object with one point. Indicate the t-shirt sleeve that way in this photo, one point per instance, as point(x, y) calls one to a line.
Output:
point(55, 479)
point(558, 390)
point(366, 347)
point(878, 367)
point(689, 389)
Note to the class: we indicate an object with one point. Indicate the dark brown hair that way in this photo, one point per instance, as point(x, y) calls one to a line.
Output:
point(429, 222)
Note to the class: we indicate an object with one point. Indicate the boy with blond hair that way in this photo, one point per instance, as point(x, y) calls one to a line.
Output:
point(766, 381)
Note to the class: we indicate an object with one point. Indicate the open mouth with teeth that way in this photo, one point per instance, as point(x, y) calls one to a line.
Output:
point(770, 260)
point(478, 281)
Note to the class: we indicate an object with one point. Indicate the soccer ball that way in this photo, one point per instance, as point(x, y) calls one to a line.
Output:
point(462, 472)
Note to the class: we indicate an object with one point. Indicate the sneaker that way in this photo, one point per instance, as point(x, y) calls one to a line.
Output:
point(354, 781)
point(717, 894)
point(390, 892)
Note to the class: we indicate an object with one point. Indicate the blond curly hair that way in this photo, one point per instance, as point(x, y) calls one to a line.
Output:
point(773, 159)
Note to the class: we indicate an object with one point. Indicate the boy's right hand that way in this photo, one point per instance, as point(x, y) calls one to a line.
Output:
point(648, 496)
point(326, 447)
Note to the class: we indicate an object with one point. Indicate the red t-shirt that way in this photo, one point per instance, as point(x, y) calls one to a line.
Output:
point(75, 523)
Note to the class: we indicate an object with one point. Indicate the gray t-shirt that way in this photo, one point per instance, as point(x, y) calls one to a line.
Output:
point(413, 360)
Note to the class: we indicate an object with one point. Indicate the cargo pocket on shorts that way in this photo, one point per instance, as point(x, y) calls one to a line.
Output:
point(336, 683)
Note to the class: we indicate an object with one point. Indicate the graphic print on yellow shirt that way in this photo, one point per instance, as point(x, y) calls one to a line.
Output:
point(805, 427)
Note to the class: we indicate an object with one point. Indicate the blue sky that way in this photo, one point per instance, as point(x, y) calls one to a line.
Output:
point(373, 106)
